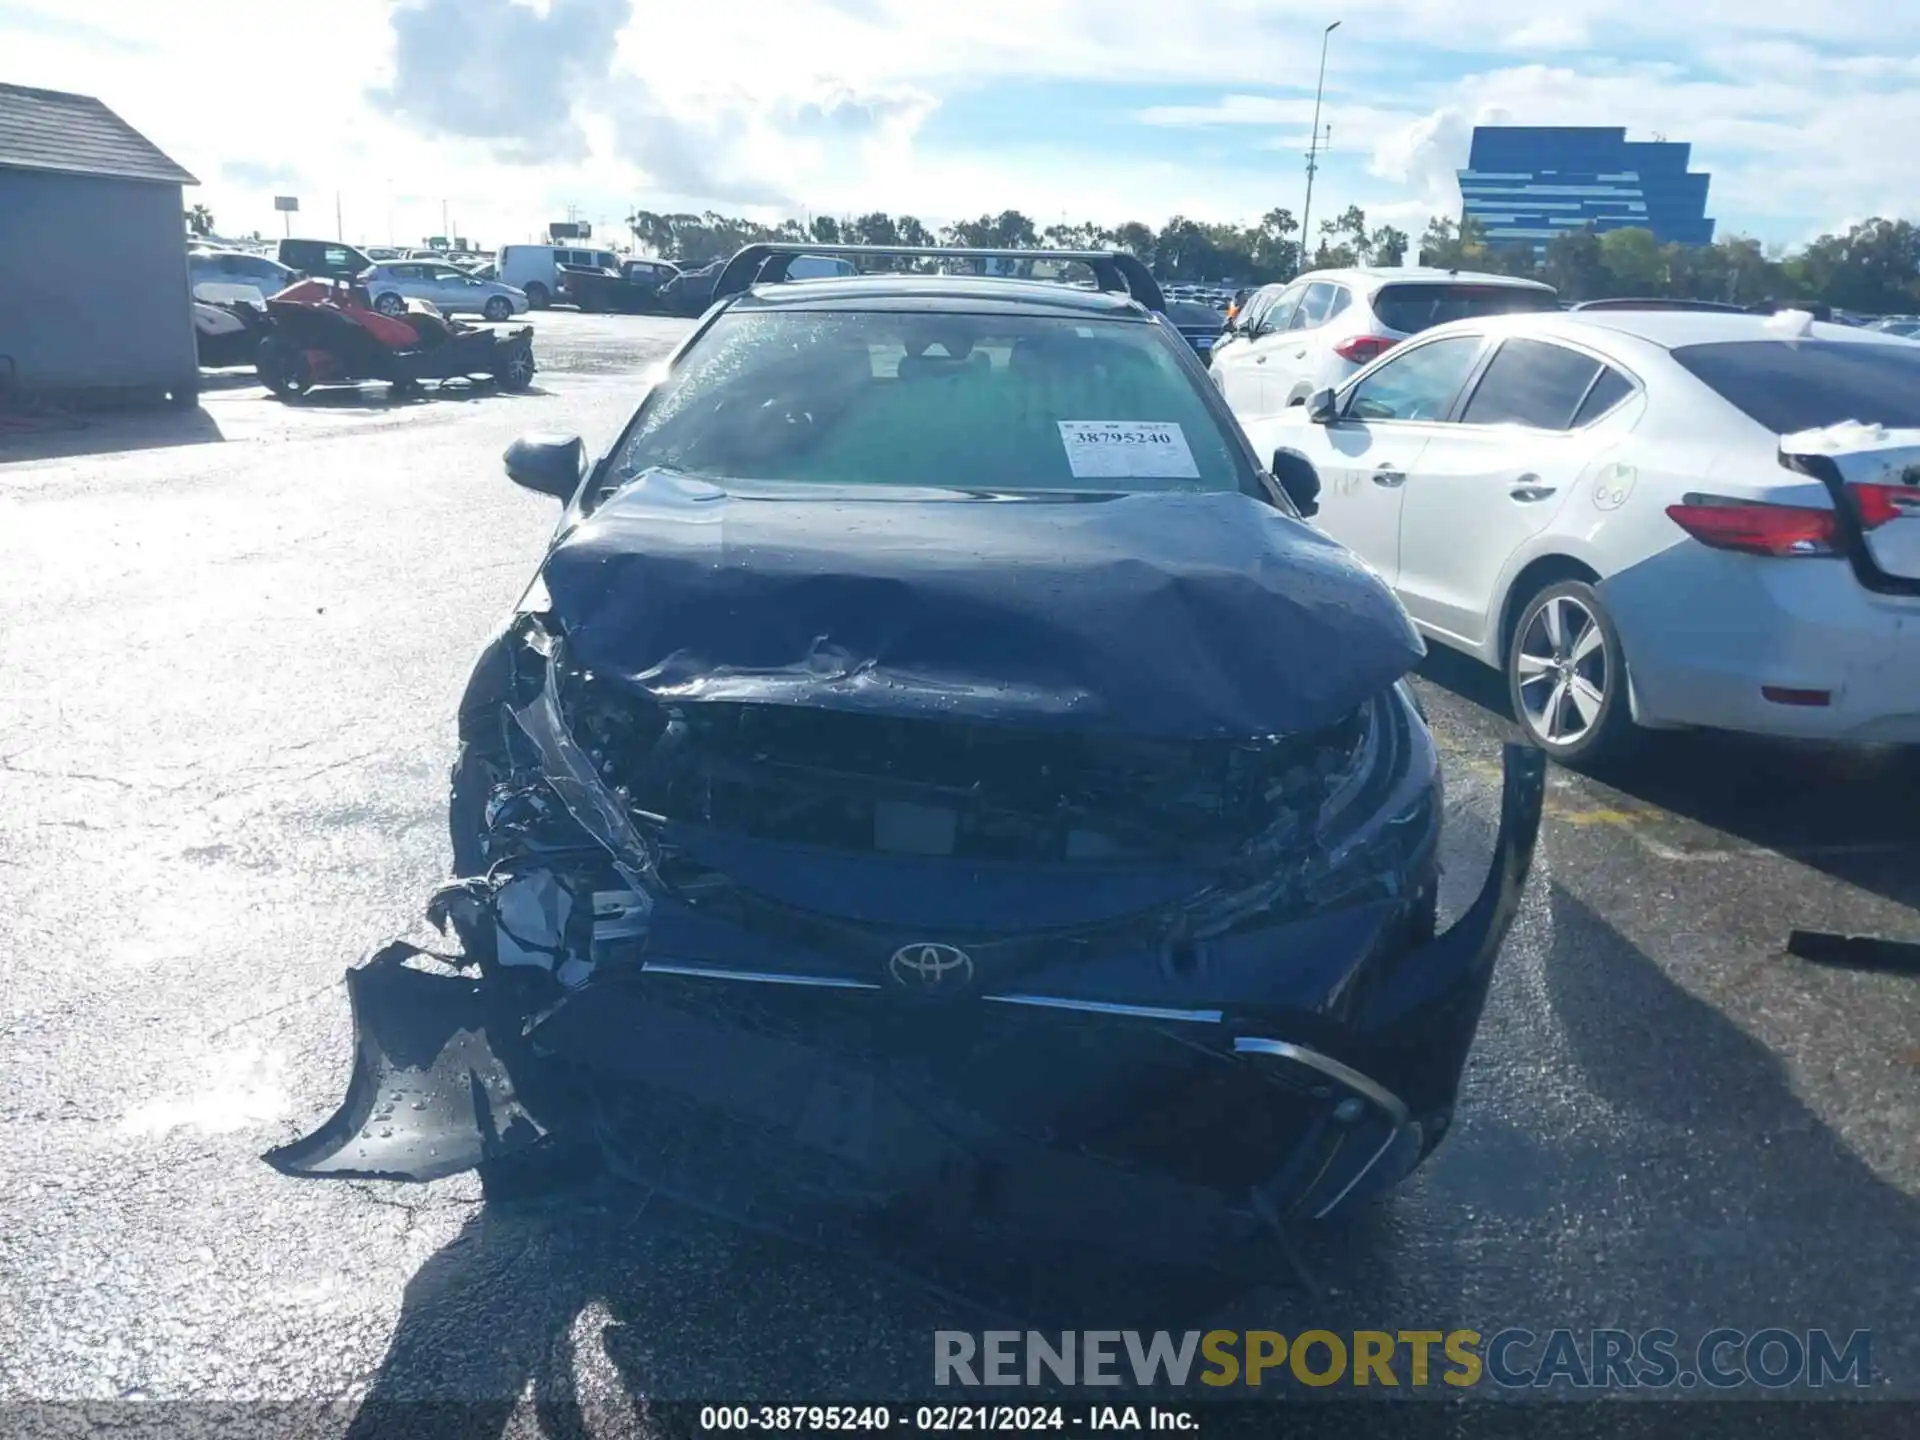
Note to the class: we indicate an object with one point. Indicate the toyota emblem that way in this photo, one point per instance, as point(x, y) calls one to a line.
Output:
point(926, 965)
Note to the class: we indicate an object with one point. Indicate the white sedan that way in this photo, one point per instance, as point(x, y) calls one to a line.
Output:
point(449, 288)
point(1657, 518)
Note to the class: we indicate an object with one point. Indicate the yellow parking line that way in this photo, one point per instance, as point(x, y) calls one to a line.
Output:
point(1597, 817)
point(1642, 823)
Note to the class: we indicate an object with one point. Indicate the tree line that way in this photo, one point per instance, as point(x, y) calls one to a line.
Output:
point(1873, 267)
point(1181, 250)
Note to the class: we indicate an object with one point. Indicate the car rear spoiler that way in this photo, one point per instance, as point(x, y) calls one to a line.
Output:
point(766, 264)
point(1654, 302)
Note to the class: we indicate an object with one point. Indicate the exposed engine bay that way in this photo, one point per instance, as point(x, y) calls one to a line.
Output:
point(592, 790)
point(987, 792)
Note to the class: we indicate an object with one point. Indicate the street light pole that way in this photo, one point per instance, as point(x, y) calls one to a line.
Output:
point(1313, 144)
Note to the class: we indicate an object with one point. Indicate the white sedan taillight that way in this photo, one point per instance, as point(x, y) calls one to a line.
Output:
point(1754, 527)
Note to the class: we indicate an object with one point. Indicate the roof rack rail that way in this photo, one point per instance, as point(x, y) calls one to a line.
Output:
point(765, 263)
point(1659, 302)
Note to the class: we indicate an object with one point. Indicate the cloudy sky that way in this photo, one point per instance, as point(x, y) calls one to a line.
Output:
point(504, 114)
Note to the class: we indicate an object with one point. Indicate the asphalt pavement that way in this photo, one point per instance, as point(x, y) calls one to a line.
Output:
point(231, 643)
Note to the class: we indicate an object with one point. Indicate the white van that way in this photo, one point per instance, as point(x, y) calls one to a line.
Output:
point(536, 268)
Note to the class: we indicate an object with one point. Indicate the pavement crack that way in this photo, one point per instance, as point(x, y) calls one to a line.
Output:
point(412, 1209)
point(6, 763)
point(272, 1010)
point(290, 780)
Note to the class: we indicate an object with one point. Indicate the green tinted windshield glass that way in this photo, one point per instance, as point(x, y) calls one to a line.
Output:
point(976, 402)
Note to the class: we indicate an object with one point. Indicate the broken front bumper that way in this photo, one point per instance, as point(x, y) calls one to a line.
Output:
point(784, 1101)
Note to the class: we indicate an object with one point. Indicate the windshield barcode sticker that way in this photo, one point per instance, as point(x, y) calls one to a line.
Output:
point(1127, 449)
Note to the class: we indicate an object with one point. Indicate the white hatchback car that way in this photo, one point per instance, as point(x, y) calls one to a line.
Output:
point(1669, 518)
point(1289, 340)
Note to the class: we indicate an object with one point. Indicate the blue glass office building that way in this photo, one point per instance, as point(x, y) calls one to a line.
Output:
point(1528, 183)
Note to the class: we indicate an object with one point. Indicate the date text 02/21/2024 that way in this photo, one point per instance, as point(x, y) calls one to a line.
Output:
point(941, 1419)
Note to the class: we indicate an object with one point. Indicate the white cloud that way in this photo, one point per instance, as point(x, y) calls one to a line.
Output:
point(1556, 30)
point(775, 104)
point(1429, 152)
point(500, 71)
point(1232, 110)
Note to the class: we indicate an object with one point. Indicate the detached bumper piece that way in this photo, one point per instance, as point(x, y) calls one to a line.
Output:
point(432, 1094)
point(832, 1115)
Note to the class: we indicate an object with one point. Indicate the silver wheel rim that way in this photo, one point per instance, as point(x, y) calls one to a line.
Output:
point(390, 306)
point(519, 368)
point(1564, 677)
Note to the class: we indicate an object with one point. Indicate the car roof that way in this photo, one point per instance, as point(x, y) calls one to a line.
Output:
point(939, 292)
point(1380, 276)
point(1659, 329)
point(1670, 329)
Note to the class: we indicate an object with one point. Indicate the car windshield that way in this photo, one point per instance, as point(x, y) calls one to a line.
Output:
point(971, 402)
point(1411, 308)
point(1789, 385)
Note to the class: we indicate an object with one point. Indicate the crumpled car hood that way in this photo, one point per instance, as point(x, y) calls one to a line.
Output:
point(1163, 615)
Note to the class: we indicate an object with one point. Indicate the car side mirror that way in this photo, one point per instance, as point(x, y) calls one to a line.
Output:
point(1322, 408)
point(1299, 481)
point(550, 464)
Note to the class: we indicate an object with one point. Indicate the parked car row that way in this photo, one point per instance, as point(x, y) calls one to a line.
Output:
point(228, 276)
point(1214, 297)
point(519, 278)
point(1646, 517)
point(324, 313)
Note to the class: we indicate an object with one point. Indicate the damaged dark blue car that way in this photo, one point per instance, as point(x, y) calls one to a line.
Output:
point(937, 776)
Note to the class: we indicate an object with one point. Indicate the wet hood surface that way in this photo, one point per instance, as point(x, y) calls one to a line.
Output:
point(1166, 615)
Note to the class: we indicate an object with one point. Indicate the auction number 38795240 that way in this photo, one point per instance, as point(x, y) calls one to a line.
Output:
point(922, 1419)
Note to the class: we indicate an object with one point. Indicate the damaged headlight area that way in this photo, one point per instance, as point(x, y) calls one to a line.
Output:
point(597, 794)
point(967, 791)
point(567, 867)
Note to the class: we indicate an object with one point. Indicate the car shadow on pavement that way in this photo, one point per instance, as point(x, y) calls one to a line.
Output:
point(1628, 1157)
point(66, 435)
point(1852, 812)
point(377, 395)
point(1468, 678)
point(231, 379)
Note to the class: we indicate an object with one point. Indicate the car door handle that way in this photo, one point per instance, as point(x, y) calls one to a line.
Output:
point(1529, 489)
point(1390, 477)
point(1259, 359)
